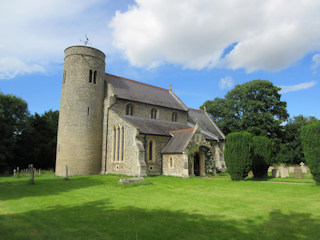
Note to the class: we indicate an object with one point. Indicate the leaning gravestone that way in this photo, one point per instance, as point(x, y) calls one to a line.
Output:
point(297, 173)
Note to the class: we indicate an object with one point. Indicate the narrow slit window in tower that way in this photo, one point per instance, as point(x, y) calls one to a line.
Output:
point(64, 76)
point(90, 76)
point(95, 77)
point(88, 111)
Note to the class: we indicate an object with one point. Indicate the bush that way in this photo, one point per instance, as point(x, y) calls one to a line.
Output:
point(238, 154)
point(310, 139)
point(262, 147)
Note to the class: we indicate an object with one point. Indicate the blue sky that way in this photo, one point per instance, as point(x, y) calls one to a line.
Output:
point(204, 48)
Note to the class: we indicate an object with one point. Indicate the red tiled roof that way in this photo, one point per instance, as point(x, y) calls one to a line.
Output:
point(182, 130)
point(197, 110)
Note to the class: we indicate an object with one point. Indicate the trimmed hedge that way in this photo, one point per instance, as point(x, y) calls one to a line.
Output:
point(262, 155)
point(238, 154)
point(310, 139)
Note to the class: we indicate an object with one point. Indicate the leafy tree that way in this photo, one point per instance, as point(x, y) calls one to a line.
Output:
point(254, 106)
point(13, 115)
point(310, 138)
point(262, 148)
point(37, 143)
point(291, 148)
point(238, 154)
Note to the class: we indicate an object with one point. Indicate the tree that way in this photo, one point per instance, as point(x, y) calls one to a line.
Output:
point(254, 106)
point(238, 154)
point(37, 143)
point(291, 148)
point(13, 115)
point(262, 148)
point(310, 139)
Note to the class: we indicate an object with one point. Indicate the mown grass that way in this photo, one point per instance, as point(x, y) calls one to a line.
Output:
point(97, 207)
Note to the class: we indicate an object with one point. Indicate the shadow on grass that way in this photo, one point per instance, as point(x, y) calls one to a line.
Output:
point(19, 188)
point(99, 220)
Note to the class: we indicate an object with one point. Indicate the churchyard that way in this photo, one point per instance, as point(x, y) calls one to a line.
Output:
point(98, 207)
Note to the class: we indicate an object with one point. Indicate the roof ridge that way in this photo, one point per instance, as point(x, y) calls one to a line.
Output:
point(197, 110)
point(182, 130)
point(163, 89)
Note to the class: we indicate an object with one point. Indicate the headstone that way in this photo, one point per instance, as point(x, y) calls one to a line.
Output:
point(131, 180)
point(297, 173)
point(14, 173)
point(270, 169)
point(284, 172)
point(31, 174)
point(303, 168)
point(274, 172)
point(39, 173)
point(250, 174)
point(291, 169)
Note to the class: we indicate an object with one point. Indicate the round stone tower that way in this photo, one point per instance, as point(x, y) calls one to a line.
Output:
point(79, 144)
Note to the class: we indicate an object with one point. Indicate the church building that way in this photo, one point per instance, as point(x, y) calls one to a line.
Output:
point(110, 124)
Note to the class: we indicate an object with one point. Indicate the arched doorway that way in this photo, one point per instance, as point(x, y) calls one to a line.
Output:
point(196, 164)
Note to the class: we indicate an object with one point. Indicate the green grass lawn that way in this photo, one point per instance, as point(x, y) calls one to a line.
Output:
point(97, 207)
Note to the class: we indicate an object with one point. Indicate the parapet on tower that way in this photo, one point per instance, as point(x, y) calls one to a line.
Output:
point(79, 141)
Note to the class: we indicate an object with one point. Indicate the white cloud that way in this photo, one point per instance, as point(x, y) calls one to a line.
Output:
point(226, 83)
point(316, 61)
point(298, 87)
point(11, 67)
point(36, 32)
point(271, 34)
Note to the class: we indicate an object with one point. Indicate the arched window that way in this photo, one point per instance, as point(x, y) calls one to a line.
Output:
point(114, 143)
point(174, 116)
point(154, 113)
point(90, 76)
point(118, 143)
point(129, 109)
point(122, 142)
point(150, 150)
point(171, 162)
point(95, 77)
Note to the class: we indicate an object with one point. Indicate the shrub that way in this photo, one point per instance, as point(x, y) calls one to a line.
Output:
point(262, 147)
point(238, 154)
point(310, 139)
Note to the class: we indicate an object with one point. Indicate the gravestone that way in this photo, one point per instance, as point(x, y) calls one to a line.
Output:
point(14, 172)
point(31, 171)
point(284, 172)
point(270, 169)
point(274, 172)
point(297, 173)
point(131, 180)
point(250, 174)
point(291, 169)
point(303, 168)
